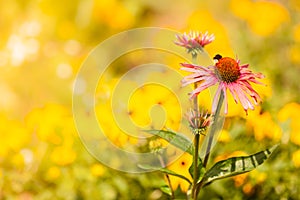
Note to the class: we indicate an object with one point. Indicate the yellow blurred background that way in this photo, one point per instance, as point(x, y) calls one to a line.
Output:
point(42, 46)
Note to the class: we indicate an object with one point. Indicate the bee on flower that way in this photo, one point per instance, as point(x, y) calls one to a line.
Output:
point(229, 74)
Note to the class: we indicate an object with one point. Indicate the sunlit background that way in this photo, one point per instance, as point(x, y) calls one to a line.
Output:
point(42, 46)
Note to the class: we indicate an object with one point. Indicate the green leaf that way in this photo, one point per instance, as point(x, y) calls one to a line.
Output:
point(166, 189)
point(236, 165)
point(164, 170)
point(201, 171)
point(177, 139)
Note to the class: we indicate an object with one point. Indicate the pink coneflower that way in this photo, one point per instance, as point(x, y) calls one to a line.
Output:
point(230, 75)
point(194, 41)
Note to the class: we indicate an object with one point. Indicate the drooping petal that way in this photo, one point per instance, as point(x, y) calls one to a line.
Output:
point(246, 103)
point(186, 82)
point(209, 82)
point(232, 91)
point(216, 98)
point(225, 100)
point(249, 90)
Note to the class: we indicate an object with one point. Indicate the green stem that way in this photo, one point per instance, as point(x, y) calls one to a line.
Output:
point(196, 140)
point(213, 128)
point(210, 140)
point(167, 176)
point(196, 170)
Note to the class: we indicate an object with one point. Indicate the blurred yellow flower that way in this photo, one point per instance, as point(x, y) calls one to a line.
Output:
point(224, 136)
point(53, 173)
point(66, 30)
point(63, 155)
point(203, 20)
point(291, 111)
point(141, 103)
point(294, 53)
point(205, 99)
point(296, 33)
point(294, 133)
point(124, 107)
point(181, 166)
point(8, 96)
point(160, 104)
point(97, 170)
point(241, 8)
point(229, 155)
point(14, 136)
point(235, 109)
point(156, 144)
point(267, 17)
point(296, 158)
point(17, 160)
point(113, 13)
point(295, 4)
point(248, 188)
point(114, 130)
point(263, 126)
point(47, 121)
point(258, 176)
point(240, 179)
point(263, 17)
point(265, 91)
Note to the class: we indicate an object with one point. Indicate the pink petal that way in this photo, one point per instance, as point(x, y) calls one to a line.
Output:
point(203, 86)
point(246, 103)
point(225, 100)
point(216, 98)
point(232, 91)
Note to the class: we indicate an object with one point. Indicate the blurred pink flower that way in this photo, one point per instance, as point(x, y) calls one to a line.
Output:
point(194, 41)
point(230, 75)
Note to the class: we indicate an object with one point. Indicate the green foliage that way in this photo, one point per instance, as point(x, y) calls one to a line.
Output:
point(201, 171)
point(177, 139)
point(236, 165)
point(164, 170)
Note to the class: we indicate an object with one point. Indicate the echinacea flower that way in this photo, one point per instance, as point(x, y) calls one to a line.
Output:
point(194, 41)
point(199, 121)
point(229, 74)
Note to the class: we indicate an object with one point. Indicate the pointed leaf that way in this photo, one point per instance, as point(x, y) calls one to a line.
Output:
point(177, 139)
point(164, 170)
point(166, 189)
point(236, 165)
